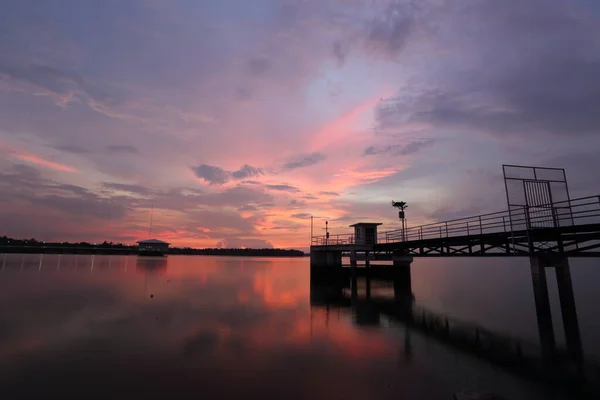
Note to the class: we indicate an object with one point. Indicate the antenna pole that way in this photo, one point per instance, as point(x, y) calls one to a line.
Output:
point(150, 229)
point(311, 229)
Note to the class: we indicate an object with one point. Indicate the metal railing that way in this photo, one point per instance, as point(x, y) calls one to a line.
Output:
point(585, 210)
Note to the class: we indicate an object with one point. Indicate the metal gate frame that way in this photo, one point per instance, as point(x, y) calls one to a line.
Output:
point(537, 196)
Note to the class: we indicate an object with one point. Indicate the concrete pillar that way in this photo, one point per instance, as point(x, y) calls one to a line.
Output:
point(320, 258)
point(568, 309)
point(353, 261)
point(402, 284)
point(334, 258)
point(542, 305)
point(368, 287)
point(367, 262)
point(402, 279)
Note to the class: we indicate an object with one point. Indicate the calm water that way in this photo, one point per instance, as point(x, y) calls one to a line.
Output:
point(216, 327)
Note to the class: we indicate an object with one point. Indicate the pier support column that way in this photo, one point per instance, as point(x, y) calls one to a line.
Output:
point(538, 266)
point(402, 272)
point(567, 304)
point(402, 279)
point(325, 258)
point(568, 309)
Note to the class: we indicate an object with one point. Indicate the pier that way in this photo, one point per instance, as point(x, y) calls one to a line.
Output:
point(541, 222)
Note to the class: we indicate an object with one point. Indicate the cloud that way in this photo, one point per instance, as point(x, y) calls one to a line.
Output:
point(301, 216)
point(401, 149)
point(216, 175)
point(283, 187)
point(27, 185)
point(137, 189)
point(36, 159)
point(122, 148)
point(212, 175)
point(340, 51)
point(389, 32)
point(236, 242)
point(294, 203)
point(246, 171)
point(258, 66)
point(73, 149)
point(325, 193)
point(64, 84)
point(304, 160)
point(548, 84)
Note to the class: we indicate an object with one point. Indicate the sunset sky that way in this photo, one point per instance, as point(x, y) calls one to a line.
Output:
point(236, 120)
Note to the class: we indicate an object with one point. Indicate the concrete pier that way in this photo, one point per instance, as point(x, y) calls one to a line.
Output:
point(325, 258)
point(402, 280)
point(538, 264)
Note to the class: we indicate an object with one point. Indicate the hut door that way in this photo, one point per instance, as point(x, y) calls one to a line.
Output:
point(369, 235)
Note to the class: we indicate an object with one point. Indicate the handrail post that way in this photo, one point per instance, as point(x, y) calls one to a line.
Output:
point(440, 232)
point(504, 223)
point(468, 233)
point(446, 229)
point(480, 226)
point(421, 229)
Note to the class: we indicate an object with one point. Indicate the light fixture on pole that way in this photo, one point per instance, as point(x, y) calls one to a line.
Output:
point(401, 206)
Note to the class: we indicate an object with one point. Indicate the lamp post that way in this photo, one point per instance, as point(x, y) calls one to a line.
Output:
point(401, 206)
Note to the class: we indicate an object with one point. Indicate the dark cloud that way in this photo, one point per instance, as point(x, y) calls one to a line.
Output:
point(541, 73)
point(212, 175)
point(294, 203)
point(310, 197)
point(340, 51)
point(304, 160)
point(122, 148)
point(73, 149)
point(246, 171)
point(401, 149)
point(283, 187)
point(324, 193)
point(258, 66)
point(301, 216)
point(388, 34)
point(248, 207)
point(217, 175)
point(57, 81)
point(26, 184)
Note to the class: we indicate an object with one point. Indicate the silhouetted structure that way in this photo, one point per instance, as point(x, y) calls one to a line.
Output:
point(152, 247)
point(542, 222)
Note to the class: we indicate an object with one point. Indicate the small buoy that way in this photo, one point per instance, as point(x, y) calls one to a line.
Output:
point(151, 296)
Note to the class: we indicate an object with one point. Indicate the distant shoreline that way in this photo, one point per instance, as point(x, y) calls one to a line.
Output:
point(132, 250)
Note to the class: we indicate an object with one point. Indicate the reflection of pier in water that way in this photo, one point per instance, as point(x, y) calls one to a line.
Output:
point(560, 367)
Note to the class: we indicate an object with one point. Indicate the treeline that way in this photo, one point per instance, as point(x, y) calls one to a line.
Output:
point(237, 252)
point(10, 245)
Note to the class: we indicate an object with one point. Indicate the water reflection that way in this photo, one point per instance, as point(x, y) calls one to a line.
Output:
point(218, 328)
point(565, 368)
point(152, 265)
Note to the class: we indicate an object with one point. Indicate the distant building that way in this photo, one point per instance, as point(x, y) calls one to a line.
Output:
point(365, 232)
point(152, 247)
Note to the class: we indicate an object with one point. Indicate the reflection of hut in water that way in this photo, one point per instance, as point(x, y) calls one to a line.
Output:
point(151, 265)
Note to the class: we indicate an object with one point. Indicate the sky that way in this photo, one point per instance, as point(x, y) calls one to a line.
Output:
point(232, 122)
